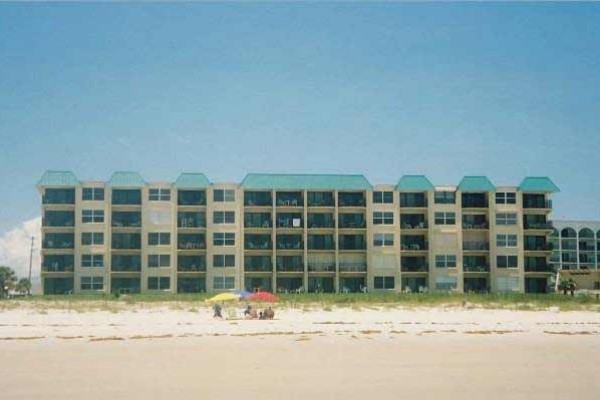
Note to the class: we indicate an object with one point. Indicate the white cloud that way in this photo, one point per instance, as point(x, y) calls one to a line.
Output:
point(15, 245)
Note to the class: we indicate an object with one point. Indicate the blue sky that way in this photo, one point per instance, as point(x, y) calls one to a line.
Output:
point(505, 90)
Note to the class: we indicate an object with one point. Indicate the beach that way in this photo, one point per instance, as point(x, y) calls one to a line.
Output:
point(388, 352)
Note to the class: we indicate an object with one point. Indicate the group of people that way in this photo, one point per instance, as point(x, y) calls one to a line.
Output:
point(250, 313)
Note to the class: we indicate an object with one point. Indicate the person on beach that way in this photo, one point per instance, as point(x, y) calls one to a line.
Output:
point(269, 313)
point(217, 308)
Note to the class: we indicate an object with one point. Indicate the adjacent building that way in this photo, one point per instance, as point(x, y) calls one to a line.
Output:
point(286, 233)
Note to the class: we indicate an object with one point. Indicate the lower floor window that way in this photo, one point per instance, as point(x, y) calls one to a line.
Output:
point(92, 283)
point(224, 282)
point(384, 282)
point(507, 261)
point(159, 283)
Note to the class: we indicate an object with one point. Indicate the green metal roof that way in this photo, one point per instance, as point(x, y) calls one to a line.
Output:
point(126, 179)
point(58, 178)
point(538, 184)
point(414, 183)
point(189, 180)
point(306, 181)
point(476, 184)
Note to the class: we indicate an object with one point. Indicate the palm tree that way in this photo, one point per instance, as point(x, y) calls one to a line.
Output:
point(23, 286)
point(7, 280)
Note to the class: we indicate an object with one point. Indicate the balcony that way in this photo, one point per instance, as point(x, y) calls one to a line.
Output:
point(126, 219)
point(353, 267)
point(481, 268)
point(58, 219)
point(413, 221)
point(321, 221)
point(538, 268)
point(289, 242)
point(352, 242)
point(413, 200)
point(190, 241)
point(58, 263)
point(321, 267)
point(258, 199)
point(59, 196)
point(537, 225)
point(536, 201)
point(476, 222)
point(126, 241)
point(290, 264)
point(290, 220)
point(257, 242)
point(59, 241)
point(320, 199)
point(474, 200)
point(414, 246)
point(127, 197)
point(189, 220)
point(321, 242)
point(289, 199)
point(352, 221)
point(258, 264)
point(414, 268)
point(257, 220)
point(126, 263)
point(476, 246)
point(538, 246)
point(191, 198)
point(351, 199)
point(191, 263)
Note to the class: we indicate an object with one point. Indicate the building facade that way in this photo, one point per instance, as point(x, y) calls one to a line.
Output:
point(286, 233)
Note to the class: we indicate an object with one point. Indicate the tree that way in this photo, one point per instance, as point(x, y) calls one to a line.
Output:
point(23, 286)
point(7, 280)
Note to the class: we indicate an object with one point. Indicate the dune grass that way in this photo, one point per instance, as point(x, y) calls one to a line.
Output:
point(306, 301)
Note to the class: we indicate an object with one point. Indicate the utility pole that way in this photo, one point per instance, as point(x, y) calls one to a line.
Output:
point(30, 262)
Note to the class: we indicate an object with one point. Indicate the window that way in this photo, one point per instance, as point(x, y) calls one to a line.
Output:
point(506, 219)
point(223, 260)
point(446, 282)
point(445, 261)
point(92, 238)
point(384, 282)
point(507, 262)
point(383, 218)
point(508, 283)
point(224, 217)
point(506, 240)
point(92, 260)
point(96, 194)
point(223, 195)
point(383, 239)
point(160, 194)
point(506, 198)
point(89, 216)
point(223, 239)
point(92, 283)
point(159, 260)
point(445, 197)
point(224, 282)
point(445, 218)
point(159, 283)
point(159, 239)
point(383, 197)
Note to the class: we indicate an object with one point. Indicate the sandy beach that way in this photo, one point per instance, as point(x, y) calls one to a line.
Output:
point(431, 353)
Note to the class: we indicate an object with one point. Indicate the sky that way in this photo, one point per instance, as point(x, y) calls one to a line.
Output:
point(446, 90)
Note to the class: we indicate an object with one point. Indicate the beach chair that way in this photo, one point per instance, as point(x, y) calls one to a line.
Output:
point(232, 313)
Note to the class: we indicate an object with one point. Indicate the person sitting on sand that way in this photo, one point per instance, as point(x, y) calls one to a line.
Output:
point(217, 308)
point(248, 312)
point(269, 313)
point(261, 315)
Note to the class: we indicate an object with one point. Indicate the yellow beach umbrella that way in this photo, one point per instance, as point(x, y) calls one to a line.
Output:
point(223, 297)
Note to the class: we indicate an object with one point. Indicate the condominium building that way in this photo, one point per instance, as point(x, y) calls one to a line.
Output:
point(286, 233)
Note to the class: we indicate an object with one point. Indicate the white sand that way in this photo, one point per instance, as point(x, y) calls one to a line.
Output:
point(387, 353)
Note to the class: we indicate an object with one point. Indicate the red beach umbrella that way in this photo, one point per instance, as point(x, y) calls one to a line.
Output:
point(264, 296)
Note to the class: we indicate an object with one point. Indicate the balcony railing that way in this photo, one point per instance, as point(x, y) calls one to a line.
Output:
point(414, 246)
point(540, 204)
point(257, 245)
point(537, 225)
point(257, 224)
point(289, 245)
point(125, 268)
point(353, 267)
point(476, 268)
point(290, 268)
point(191, 268)
point(414, 268)
point(476, 246)
point(190, 245)
point(321, 267)
point(538, 246)
point(58, 244)
point(258, 268)
point(538, 268)
point(480, 225)
point(351, 200)
point(352, 224)
point(415, 225)
point(56, 267)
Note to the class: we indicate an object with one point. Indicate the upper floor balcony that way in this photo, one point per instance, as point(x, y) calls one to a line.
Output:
point(58, 219)
point(537, 243)
point(321, 221)
point(191, 219)
point(414, 264)
point(352, 242)
point(475, 221)
point(320, 199)
point(413, 200)
point(413, 221)
point(289, 242)
point(191, 197)
point(59, 196)
point(258, 199)
point(126, 197)
point(353, 266)
point(126, 241)
point(413, 243)
point(351, 199)
point(191, 263)
point(257, 242)
point(536, 201)
point(537, 264)
point(126, 219)
point(191, 241)
point(257, 220)
point(321, 266)
point(58, 241)
point(482, 245)
point(290, 220)
point(258, 264)
point(321, 242)
point(476, 264)
point(352, 221)
point(536, 222)
point(125, 263)
point(474, 200)
point(58, 263)
point(290, 264)
point(289, 199)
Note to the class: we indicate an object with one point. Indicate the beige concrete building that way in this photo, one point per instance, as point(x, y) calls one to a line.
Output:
point(282, 233)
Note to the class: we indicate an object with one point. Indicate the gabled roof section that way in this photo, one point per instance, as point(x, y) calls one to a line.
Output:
point(191, 180)
point(305, 182)
point(126, 179)
point(414, 183)
point(476, 184)
point(538, 184)
point(58, 178)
